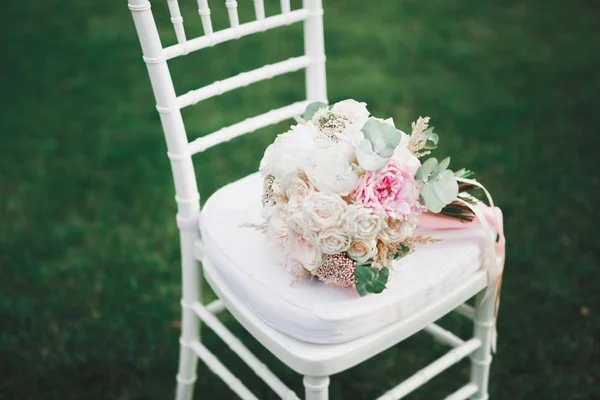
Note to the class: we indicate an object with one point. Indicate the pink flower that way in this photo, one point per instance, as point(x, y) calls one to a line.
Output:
point(301, 245)
point(391, 189)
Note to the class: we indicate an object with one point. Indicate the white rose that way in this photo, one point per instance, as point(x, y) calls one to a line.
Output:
point(297, 190)
point(357, 112)
point(301, 245)
point(395, 231)
point(331, 170)
point(323, 210)
point(289, 152)
point(333, 240)
point(362, 251)
point(362, 223)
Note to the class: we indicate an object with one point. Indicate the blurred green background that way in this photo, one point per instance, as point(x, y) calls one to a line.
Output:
point(89, 273)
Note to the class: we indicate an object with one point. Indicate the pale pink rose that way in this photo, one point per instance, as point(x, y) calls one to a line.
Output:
point(301, 245)
point(391, 189)
point(277, 226)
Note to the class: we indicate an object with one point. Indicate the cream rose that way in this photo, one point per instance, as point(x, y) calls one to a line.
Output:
point(324, 210)
point(301, 245)
point(362, 251)
point(333, 240)
point(395, 231)
point(356, 111)
point(297, 191)
point(362, 223)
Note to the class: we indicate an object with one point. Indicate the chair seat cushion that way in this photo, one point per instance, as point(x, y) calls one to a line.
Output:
point(309, 310)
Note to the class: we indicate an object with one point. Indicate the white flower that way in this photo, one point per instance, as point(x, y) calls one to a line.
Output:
point(353, 134)
point(331, 168)
point(324, 210)
point(357, 112)
point(297, 190)
point(333, 240)
point(301, 245)
point(362, 223)
point(361, 251)
point(277, 227)
point(395, 231)
point(289, 152)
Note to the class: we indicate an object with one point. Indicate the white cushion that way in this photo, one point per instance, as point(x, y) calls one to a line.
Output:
point(309, 310)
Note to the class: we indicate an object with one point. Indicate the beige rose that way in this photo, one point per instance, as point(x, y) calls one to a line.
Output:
point(395, 231)
point(362, 251)
point(362, 222)
point(323, 210)
point(333, 240)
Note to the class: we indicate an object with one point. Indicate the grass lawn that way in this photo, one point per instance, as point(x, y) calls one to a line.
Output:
point(89, 263)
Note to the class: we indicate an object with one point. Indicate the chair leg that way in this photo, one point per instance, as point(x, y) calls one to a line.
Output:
point(190, 324)
point(186, 376)
point(316, 387)
point(482, 357)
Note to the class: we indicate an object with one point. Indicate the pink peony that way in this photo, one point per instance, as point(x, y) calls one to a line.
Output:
point(391, 189)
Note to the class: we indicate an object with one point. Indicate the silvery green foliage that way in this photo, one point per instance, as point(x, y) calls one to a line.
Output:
point(439, 184)
point(431, 139)
point(381, 139)
point(312, 109)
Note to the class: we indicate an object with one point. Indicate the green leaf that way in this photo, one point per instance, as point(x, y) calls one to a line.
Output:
point(375, 287)
point(464, 173)
point(441, 167)
point(368, 158)
point(425, 169)
point(312, 109)
point(439, 192)
point(370, 280)
point(383, 135)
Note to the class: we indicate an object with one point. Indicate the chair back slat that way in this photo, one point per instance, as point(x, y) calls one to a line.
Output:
point(204, 13)
point(243, 79)
point(259, 9)
point(232, 12)
point(177, 20)
point(228, 34)
point(285, 6)
point(249, 125)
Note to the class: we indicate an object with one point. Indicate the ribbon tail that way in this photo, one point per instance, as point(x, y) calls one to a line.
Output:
point(493, 260)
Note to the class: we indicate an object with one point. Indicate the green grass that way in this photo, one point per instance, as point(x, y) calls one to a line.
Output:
point(89, 274)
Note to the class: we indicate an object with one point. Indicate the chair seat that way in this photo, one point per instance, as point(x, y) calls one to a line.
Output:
point(309, 310)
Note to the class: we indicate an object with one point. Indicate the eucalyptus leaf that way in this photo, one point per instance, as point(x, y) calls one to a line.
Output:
point(446, 187)
point(382, 134)
point(429, 199)
point(368, 158)
point(425, 169)
point(439, 192)
point(441, 167)
point(312, 109)
point(370, 280)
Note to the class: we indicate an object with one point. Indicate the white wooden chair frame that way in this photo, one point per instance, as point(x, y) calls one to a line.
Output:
point(315, 362)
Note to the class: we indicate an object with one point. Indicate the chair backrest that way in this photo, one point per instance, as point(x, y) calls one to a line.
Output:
point(169, 105)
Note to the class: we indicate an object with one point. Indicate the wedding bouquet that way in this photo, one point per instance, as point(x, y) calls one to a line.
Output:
point(343, 192)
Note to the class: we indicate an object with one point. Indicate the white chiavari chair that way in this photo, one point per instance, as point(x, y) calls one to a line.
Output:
point(315, 361)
